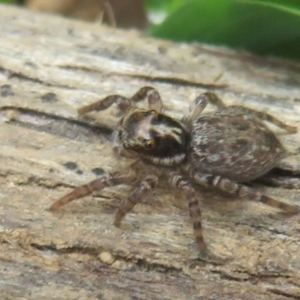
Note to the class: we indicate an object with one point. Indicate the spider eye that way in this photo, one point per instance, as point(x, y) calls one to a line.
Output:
point(149, 144)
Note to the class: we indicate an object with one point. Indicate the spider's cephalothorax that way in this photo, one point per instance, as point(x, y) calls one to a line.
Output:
point(157, 138)
point(220, 149)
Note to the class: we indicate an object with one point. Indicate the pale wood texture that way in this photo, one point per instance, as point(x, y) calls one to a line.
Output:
point(50, 66)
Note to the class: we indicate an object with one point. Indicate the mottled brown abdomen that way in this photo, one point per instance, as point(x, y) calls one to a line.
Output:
point(231, 144)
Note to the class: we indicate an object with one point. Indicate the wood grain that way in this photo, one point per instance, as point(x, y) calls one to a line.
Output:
point(50, 66)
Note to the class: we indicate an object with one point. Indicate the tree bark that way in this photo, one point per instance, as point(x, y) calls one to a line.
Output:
point(50, 66)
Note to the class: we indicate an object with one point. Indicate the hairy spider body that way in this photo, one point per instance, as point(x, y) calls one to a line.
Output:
point(220, 149)
point(253, 148)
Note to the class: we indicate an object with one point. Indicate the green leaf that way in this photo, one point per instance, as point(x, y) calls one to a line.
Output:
point(165, 5)
point(263, 27)
point(292, 6)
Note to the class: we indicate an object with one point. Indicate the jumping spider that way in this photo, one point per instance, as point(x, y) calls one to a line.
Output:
point(221, 149)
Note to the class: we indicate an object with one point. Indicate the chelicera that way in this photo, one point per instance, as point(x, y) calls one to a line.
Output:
point(222, 149)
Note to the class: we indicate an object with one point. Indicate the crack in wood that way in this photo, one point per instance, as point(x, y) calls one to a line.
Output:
point(280, 292)
point(73, 129)
point(145, 265)
point(140, 263)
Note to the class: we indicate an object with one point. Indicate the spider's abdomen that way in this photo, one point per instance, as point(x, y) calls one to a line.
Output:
point(234, 145)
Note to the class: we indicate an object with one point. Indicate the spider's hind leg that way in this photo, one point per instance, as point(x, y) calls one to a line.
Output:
point(264, 117)
point(238, 189)
point(286, 173)
point(290, 164)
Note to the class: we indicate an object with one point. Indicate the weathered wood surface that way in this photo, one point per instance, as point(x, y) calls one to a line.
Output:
point(50, 66)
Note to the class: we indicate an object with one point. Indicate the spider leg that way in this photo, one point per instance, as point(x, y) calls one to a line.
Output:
point(144, 189)
point(119, 151)
point(123, 103)
point(199, 104)
point(212, 98)
point(202, 100)
point(280, 181)
point(234, 188)
point(188, 191)
point(290, 164)
point(264, 117)
point(95, 185)
point(285, 174)
point(154, 99)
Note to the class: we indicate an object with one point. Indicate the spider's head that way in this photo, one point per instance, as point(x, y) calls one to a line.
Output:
point(157, 138)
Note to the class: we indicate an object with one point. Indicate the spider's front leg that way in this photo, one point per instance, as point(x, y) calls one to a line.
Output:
point(154, 101)
point(122, 102)
point(96, 185)
point(238, 189)
point(188, 191)
point(144, 189)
